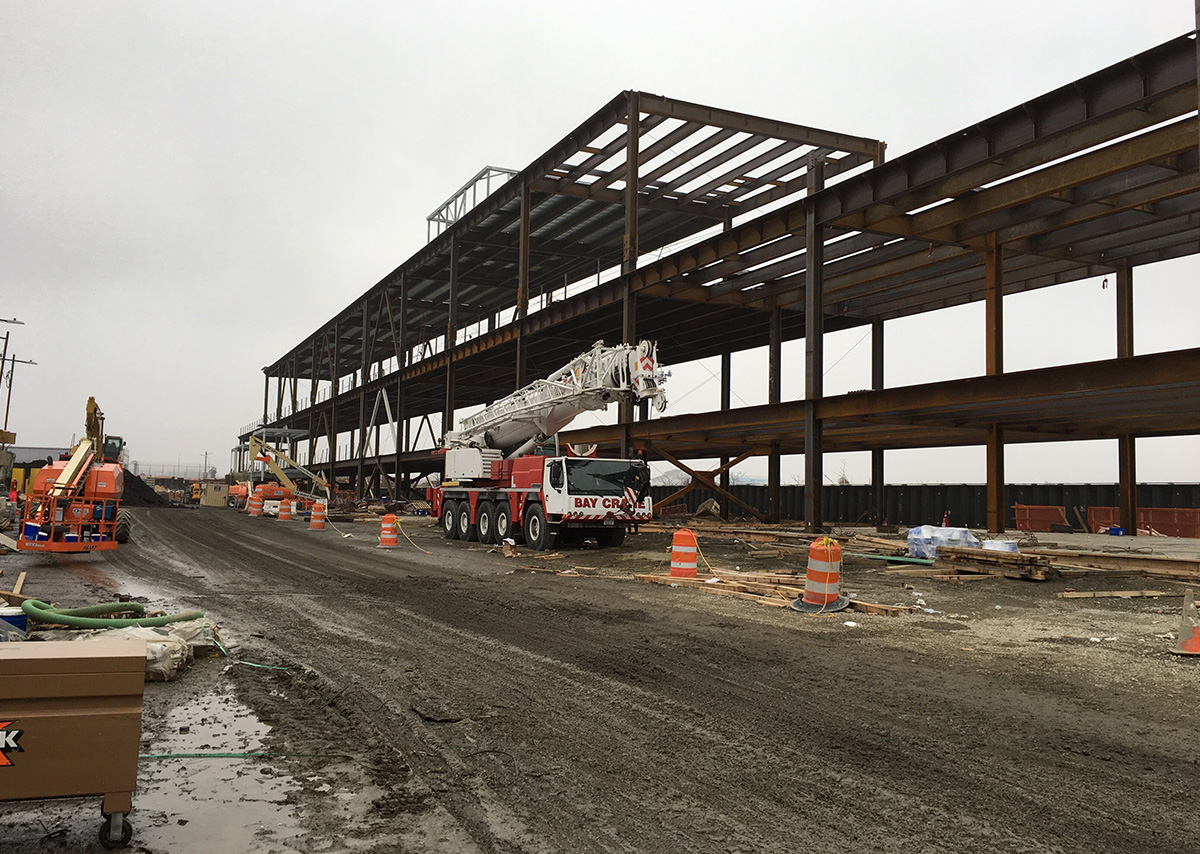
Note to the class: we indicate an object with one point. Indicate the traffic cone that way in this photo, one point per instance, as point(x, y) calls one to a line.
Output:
point(254, 506)
point(683, 554)
point(823, 580)
point(316, 521)
point(1189, 629)
point(285, 510)
point(388, 538)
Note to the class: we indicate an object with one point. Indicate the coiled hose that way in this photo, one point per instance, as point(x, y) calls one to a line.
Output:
point(92, 617)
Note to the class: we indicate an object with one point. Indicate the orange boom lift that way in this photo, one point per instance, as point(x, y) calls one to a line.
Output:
point(74, 505)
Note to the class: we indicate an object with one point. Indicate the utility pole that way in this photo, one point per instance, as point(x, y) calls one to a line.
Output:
point(13, 362)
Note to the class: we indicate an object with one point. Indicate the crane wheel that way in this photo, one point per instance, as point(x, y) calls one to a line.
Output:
point(449, 522)
point(124, 526)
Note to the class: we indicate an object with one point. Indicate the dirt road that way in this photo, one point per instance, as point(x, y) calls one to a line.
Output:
point(491, 708)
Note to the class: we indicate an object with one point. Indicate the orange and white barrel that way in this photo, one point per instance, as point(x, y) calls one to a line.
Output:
point(254, 505)
point(1189, 629)
point(823, 580)
point(683, 554)
point(388, 538)
point(316, 521)
point(285, 510)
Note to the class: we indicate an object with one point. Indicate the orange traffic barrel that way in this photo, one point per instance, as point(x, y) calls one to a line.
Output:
point(254, 505)
point(285, 510)
point(1189, 630)
point(316, 522)
point(823, 581)
point(683, 554)
point(388, 538)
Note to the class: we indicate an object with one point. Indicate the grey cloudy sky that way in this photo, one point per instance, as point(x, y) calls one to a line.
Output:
point(188, 189)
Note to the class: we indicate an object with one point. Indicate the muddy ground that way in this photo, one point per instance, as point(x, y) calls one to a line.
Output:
point(460, 701)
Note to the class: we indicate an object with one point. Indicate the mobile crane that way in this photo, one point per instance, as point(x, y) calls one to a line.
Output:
point(74, 505)
point(496, 485)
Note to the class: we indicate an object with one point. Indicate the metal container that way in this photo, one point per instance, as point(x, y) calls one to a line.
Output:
point(71, 723)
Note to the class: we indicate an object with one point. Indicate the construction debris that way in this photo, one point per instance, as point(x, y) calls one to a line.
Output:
point(767, 592)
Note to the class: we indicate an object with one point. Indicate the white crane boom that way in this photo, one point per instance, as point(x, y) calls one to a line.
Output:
point(517, 424)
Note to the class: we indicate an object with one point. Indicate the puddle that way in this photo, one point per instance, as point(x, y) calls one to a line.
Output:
point(209, 804)
point(212, 804)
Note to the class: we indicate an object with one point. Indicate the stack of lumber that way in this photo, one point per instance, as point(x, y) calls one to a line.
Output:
point(772, 589)
point(1072, 564)
point(987, 562)
point(875, 545)
point(744, 532)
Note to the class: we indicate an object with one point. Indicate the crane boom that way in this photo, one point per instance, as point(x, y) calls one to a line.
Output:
point(518, 423)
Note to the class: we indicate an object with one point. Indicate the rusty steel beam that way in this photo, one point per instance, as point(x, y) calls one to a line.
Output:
point(676, 109)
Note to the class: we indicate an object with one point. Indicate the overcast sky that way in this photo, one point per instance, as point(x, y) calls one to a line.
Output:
point(189, 189)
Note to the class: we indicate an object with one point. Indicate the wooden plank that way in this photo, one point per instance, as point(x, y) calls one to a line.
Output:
point(13, 599)
point(1167, 567)
point(1032, 573)
point(20, 583)
point(878, 609)
point(990, 556)
point(1114, 594)
point(890, 559)
point(736, 591)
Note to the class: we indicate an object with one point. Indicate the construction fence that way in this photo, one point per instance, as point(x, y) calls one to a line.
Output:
point(927, 504)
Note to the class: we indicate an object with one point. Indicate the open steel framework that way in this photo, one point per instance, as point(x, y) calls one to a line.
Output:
point(786, 232)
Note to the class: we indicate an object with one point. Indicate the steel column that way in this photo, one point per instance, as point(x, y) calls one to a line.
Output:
point(335, 372)
point(1126, 444)
point(726, 394)
point(360, 484)
point(814, 349)
point(629, 255)
point(994, 307)
point(774, 395)
point(524, 245)
point(878, 496)
point(997, 509)
point(451, 334)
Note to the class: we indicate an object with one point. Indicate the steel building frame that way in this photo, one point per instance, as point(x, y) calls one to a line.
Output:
point(788, 232)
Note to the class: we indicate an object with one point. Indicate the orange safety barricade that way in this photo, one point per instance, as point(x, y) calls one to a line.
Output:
point(285, 510)
point(683, 554)
point(316, 522)
point(254, 505)
point(823, 580)
point(388, 538)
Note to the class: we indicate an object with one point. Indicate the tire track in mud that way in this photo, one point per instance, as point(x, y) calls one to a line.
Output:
point(596, 720)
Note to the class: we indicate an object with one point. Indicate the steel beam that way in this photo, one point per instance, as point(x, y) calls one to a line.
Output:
point(451, 336)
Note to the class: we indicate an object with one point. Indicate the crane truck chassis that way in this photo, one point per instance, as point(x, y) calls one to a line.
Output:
point(497, 486)
point(547, 500)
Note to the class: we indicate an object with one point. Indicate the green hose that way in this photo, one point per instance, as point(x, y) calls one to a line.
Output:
point(91, 616)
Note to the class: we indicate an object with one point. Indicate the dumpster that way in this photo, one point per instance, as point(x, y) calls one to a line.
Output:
point(71, 724)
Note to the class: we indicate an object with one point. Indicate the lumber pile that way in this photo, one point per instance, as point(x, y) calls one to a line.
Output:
point(1073, 564)
point(987, 562)
point(773, 590)
point(746, 533)
point(875, 545)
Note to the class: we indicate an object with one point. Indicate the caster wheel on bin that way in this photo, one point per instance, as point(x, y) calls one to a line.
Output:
point(126, 834)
